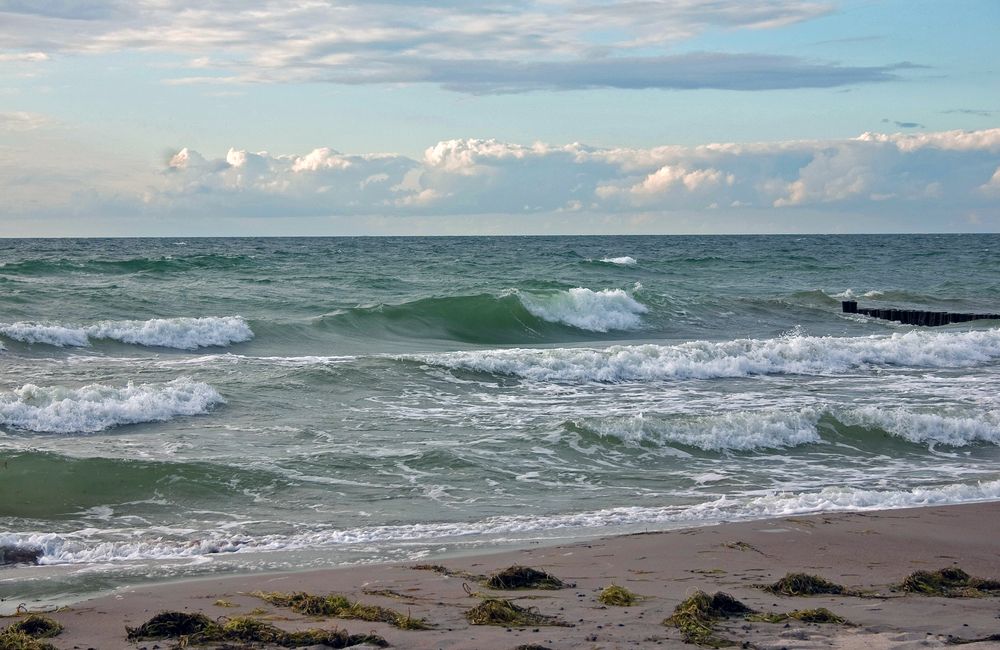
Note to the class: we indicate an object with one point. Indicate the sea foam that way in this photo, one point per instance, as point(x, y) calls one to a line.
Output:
point(180, 333)
point(595, 311)
point(78, 548)
point(97, 407)
point(740, 358)
point(620, 261)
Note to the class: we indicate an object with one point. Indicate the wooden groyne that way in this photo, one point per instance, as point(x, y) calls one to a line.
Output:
point(913, 316)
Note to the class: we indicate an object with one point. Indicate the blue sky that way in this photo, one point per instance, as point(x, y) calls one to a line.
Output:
point(174, 117)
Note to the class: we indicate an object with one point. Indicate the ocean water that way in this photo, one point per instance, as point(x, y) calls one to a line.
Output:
point(173, 408)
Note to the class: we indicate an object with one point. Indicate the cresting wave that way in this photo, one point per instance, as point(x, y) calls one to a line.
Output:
point(96, 407)
point(180, 333)
point(810, 355)
point(80, 548)
point(620, 261)
point(779, 429)
point(595, 311)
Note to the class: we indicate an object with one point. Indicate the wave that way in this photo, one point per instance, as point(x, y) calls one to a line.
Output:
point(744, 431)
point(595, 311)
point(164, 263)
point(794, 354)
point(97, 407)
point(620, 261)
point(79, 548)
point(180, 333)
point(513, 316)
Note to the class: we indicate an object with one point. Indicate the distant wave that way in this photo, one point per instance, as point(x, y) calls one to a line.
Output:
point(46, 266)
point(739, 358)
point(179, 333)
point(76, 548)
point(620, 261)
point(96, 407)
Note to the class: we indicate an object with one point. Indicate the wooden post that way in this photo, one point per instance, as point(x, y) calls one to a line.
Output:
point(849, 306)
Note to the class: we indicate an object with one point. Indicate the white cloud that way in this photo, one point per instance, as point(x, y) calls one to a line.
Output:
point(23, 121)
point(23, 57)
point(492, 177)
point(478, 47)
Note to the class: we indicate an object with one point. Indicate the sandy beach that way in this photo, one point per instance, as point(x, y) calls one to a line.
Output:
point(865, 551)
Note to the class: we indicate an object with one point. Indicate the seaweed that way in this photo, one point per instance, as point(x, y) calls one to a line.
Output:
point(617, 596)
point(950, 582)
point(36, 626)
point(339, 606)
point(818, 615)
point(531, 646)
point(199, 629)
point(803, 584)
point(697, 615)
point(15, 640)
point(523, 577)
point(957, 640)
point(497, 611)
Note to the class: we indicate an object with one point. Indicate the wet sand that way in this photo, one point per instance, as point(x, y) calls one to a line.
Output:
point(865, 551)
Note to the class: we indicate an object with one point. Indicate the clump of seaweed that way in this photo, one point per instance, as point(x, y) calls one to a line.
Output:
point(950, 582)
point(697, 615)
point(523, 577)
point(818, 615)
point(171, 624)
point(36, 626)
point(803, 584)
point(199, 629)
point(341, 607)
point(617, 596)
point(497, 611)
point(14, 640)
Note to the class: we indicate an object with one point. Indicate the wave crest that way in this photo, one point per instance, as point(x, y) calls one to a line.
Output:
point(181, 333)
point(97, 407)
point(582, 308)
point(740, 358)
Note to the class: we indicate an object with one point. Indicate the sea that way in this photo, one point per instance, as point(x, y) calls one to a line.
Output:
point(181, 408)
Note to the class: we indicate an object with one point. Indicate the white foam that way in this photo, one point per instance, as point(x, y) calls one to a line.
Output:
point(705, 360)
point(45, 333)
point(737, 431)
point(80, 547)
point(181, 333)
point(620, 261)
point(97, 407)
point(954, 429)
point(595, 311)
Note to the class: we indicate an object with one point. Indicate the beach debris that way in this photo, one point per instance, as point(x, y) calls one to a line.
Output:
point(743, 546)
point(497, 611)
point(199, 629)
point(222, 602)
point(618, 596)
point(531, 646)
point(11, 554)
point(804, 584)
point(338, 606)
point(24, 634)
point(818, 615)
point(957, 640)
point(950, 582)
point(523, 577)
point(697, 615)
point(451, 573)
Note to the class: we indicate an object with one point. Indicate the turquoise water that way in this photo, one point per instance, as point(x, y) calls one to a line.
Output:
point(171, 408)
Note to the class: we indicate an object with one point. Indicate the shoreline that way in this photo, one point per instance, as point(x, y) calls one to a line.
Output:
point(866, 550)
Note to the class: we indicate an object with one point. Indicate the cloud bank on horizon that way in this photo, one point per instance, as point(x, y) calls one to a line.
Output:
point(90, 87)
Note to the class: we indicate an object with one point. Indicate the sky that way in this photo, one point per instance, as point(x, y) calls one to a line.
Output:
point(413, 117)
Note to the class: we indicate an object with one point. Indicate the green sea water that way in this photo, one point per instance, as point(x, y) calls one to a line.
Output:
point(174, 408)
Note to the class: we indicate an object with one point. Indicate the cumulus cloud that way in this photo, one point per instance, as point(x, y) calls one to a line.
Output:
point(956, 169)
point(481, 47)
point(23, 121)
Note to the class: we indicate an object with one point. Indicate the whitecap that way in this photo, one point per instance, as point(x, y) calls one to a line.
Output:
point(595, 311)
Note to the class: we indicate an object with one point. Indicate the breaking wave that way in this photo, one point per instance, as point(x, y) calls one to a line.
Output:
point(595, 311)
point(179, 333)
point(96, 407)
point(740, 358)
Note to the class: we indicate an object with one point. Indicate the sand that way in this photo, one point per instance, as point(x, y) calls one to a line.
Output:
point(867, 551)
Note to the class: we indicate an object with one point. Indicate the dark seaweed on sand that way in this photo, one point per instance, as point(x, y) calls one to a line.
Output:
point(697, 615)
point(803, 584)
point(950, 582)
point(497, 611)
point(341, 607)
point(24, 634)
point(523, 577)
